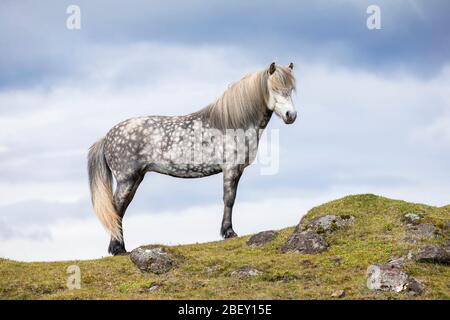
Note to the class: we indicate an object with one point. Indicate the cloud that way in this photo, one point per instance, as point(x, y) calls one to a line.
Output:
point(38, 49)
point(439, 131)
point(32, 234)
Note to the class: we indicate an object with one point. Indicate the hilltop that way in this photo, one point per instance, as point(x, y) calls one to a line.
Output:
point(378, 234)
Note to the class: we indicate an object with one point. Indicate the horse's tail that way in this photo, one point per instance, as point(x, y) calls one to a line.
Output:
point(100, 182)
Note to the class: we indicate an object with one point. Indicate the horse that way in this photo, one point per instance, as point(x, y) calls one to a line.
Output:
point(221, 137)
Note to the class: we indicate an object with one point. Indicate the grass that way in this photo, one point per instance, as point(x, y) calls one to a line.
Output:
point(376, 236)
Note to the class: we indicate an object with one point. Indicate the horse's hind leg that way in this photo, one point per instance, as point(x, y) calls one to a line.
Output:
point(123, 195)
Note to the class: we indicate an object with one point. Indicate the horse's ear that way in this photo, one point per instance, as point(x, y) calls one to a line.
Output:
point(291, 66)
point(272, 68)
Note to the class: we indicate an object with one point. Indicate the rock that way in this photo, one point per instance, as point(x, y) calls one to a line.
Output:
point(305, 242)
point(329, 223)
point(391, 278)
point(155, 260)
point(261, 238)
point(420, 231)
point(338, 294)
point(154, 288)
point(433, 254)
point(245, 272)
point(412, 218)
point(414, 287)
point(386, 278)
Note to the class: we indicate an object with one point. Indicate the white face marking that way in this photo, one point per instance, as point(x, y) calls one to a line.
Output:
point(281, 104)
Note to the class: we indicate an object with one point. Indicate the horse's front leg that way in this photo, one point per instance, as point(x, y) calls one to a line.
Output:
point(231, 176)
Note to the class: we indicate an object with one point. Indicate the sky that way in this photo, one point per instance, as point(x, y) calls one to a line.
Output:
point(373, 111)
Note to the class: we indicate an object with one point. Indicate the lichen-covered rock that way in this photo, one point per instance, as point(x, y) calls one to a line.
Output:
point(305, 242)
point(389, 277)
point(414, 287)
point(328, 223)
point(412, 218)
point(155, 260)
point(261, 238)
point(245, 272)
point(420, 231)
point(433, 254)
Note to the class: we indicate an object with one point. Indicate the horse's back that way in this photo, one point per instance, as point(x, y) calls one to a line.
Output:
point(162, 144)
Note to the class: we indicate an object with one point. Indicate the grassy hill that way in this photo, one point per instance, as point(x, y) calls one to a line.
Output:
point(376, 236)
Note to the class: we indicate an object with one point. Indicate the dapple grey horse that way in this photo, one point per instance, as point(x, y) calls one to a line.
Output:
point(222, 137)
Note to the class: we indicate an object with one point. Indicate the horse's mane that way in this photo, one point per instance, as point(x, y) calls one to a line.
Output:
point(244, 102)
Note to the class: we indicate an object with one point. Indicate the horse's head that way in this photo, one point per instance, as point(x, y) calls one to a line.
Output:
point(281, 84)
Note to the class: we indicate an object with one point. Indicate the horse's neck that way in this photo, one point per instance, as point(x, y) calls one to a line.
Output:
point(265, 119)
point(261, 125)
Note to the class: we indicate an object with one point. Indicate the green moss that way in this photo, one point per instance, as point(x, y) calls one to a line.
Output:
point(202, 272)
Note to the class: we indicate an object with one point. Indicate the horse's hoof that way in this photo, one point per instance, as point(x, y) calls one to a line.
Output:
point(117, 249)
point(119, 252)
point(230, 234)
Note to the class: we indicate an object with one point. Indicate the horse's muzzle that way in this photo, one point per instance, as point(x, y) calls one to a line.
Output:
point(290, 117)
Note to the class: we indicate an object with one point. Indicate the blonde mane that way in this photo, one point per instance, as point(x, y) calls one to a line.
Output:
point(244, 103)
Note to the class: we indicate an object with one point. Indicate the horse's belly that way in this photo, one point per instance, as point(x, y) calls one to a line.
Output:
point(186, 170)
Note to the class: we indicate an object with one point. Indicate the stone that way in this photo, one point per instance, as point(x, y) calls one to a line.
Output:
point(391, 278)
point(261, 238)
point(412, 218)
point(305, 242)
point(386, 278)
point(338, 294)
point(329, 223)
point(414, 287)
point(433, 254)
point(155, 260)
point(420, 231)
point(154, 288)
point(245, 272)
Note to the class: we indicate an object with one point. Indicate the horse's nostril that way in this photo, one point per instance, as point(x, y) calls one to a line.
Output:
point(290, 116)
